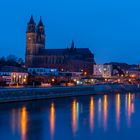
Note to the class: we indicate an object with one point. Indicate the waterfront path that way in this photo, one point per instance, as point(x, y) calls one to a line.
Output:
point(25, 94)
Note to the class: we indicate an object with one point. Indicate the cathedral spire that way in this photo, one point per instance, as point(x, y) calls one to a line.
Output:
point(40, 22)
point(40, 27)
point(31, 27)
point(41, 33)
point(31, 20)
point(72, 45)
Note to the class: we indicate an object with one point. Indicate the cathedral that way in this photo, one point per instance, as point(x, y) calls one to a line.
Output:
point(70, 59)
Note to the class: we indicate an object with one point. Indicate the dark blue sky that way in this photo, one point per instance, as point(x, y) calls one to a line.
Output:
point(110, 28)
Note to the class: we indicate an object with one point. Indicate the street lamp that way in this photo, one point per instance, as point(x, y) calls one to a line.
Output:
point(85, 73)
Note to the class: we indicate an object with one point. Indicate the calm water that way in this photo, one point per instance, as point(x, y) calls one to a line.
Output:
point(108, 117)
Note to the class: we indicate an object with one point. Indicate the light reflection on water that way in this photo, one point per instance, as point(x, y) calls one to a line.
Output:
point(99, 111)
point(105, 106)
point(52, 120)
point(23, 123)
point(101, 114)
point(129, 107)
point(91, 116)
point(118, 105)
point(75, 115)
point(19, 120)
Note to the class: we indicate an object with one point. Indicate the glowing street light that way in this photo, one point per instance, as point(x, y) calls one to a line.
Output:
point(119, 80)
point(85, 73)
point(24, 80)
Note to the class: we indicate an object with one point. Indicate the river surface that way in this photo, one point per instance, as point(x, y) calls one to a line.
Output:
point(97, 117)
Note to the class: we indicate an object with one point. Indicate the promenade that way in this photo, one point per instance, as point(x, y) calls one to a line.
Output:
point(27, 94)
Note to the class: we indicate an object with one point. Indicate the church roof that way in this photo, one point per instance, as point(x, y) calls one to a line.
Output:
point(81, 51)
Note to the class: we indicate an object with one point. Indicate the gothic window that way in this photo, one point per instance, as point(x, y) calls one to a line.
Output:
point(61, 60)
point(54, 59)
point(57, 60)
point(46, 60)
point(49, 60)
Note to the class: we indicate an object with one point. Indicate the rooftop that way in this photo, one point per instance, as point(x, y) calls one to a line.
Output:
point(81, 51)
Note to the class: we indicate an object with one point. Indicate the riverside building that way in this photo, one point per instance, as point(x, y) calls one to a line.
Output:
point(104, 71)
point(11, 75)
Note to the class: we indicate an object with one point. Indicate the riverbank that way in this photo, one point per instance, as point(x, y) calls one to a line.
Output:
point(27, 94)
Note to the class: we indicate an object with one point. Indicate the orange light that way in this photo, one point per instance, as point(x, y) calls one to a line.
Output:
point(52, 119)
point(133, 75)
point(105, 111)
point(118, 111)
point(129, 108)
point(85, 73)
point(91, 113)
point(74, 116)
point(24, 118)
point(119, 80)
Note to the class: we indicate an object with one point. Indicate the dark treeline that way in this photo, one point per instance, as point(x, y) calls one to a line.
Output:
point(11, 60)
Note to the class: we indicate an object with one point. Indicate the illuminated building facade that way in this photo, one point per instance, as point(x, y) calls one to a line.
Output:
point(70, 59)
point(13, 75)
point(103, 70)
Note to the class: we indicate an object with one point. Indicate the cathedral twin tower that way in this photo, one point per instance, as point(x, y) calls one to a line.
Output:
point(35, 39)
point(69, 59)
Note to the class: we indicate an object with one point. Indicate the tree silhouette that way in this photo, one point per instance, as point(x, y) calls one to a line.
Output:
point(11, 60)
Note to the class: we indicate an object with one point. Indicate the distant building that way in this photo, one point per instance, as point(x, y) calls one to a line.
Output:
point(13, 75)
point(133, 72)
point(102, 70)
point(119, 69)
point(70, 59)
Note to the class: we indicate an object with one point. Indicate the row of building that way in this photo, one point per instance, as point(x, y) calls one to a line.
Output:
point(70, 62)
point(10, 75)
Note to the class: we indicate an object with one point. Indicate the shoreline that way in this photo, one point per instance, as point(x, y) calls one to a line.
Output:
point(28, 94)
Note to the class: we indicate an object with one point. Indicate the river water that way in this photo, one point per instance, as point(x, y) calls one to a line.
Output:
point(97, 117)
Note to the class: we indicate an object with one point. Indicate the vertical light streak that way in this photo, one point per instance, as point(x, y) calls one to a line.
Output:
point(52, 120)
point(74, 116)
point(105, 111)
point(118, 103)
point(99, 111)
point(23, 123)
point(91, 109)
